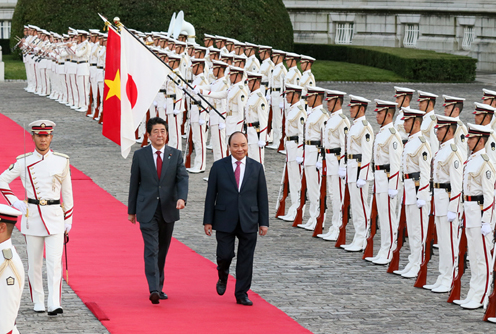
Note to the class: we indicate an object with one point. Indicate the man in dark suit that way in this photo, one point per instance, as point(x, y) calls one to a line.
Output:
point(157, 191)
point(236, 205)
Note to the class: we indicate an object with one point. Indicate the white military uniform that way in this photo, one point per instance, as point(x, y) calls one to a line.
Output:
point(44, 178)
point(266, 69)
point(293, 77)
point(307, 80)
point(174, 110)
point(277, 88)
point(252, 64)
point(428, 130)
point(197, 113)
point(460, 141)
point(83, 51)
point(257, 115)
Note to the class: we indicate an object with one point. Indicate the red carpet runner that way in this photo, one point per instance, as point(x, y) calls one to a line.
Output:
point(106, 269)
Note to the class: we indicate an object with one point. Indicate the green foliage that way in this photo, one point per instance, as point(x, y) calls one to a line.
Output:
point(325, 70)
point(412, 64)
point(14, 68)
point(4, 43)
point(257, 21)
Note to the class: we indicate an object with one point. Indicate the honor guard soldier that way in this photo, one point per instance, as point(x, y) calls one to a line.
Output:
point(447, 183)
point(453, 106)
point(175, 103)
point(293, 76)
point(359, 144)
point(489, 98)
point(276, 100)
point(256, 117)
point(295, 124)
point(45, 175)
point(388, 149)
point(83, 51)
point(335, 132)
point(252, 63)
point(307, 77)
point(478, 190)
point(314, 128)
point(416, 165)
point(11, 272)
point(484, 115)
point(403, 99)
point(427, 101)
point(198, 118)
point(266, 68)
point(93, 59)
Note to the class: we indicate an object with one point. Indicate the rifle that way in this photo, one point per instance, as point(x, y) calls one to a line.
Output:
point(400, 238)
point(283, 130)
point(323, 196)
point(428, 249)
point(91, 100)
point(269, 120)
point(189, 150)
point(490, 302)
point(283, 192)
point(369, 248)
point(345, 215)
point(460, 263)
point(145, 135)
point(303, 195)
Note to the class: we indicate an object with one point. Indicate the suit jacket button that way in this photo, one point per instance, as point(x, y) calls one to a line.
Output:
point(158, 197)
point(159, 187)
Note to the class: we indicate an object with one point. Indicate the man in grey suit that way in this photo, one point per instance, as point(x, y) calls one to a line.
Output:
point(157, 191)
point(236, 206)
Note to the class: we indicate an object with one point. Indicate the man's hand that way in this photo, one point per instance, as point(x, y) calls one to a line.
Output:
point(21, 206)
point(180, 204)
point(208, 229)
point(262, 230)
point(132, 218)
point(67, 228)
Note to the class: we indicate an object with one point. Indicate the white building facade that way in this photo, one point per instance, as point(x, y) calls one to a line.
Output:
point(460, 27)
point(6, 12)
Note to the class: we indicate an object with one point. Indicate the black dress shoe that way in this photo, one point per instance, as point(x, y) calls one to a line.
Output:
point(244, 301)
point(163, 296)
point(58, 310)
point(221, 287)
point(155, 297)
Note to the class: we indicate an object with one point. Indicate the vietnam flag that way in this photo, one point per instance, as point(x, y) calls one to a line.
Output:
point(112, 88)
point(142, 76)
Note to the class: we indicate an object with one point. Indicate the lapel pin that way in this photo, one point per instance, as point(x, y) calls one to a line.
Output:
point(170, 155)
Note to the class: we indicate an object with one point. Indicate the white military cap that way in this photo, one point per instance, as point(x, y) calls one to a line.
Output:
point(214, 50)
point(334, 94)
point(475, 130)
point(42, 127)
point(278, 52)
point(401, 91)
point(230, 41)
point(291, 55)
point(315, 91)
point(34, 27)
point(83, 32)
point(251, 46)
point(26, 27)
point(449, 100)
point(424, 96)
point(200, 48)
point(409, 113)
point(240, 57)
point(220, 38)
point(254, 76)
point(444, 121)
point(227, 55)
point(306, 59)
point(488, 94)
point(381, 105)
point(173, 57)
point(264, 48)
point(180, 43)
point(358, 101)
point(94, 31)
point(65, 36)
point(235, 69)
point(207, 36)
point(44, 32)
point(481, 108)
point(196, 61)
point(217, 63)
point(293, 88)
point(8, 214)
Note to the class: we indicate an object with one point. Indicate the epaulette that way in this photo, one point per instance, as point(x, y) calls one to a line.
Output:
point(422, 139)
point(260, 94)
point(342, 116)
point(241, 86)
point(454, 148)
point(24, 155)
point(433, 117)
point(61, 155)
point(392, 130)
point(460, 123)
point(224, 81)
point(300, 107)
point(365, 123)
point(485, 157)
point(7, 253)
point(325, 112)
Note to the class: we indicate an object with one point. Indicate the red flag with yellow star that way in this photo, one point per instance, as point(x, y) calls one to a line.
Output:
point(112, 89)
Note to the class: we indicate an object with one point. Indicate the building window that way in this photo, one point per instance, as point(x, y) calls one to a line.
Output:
point(411, 35)
point(344, 32)
point(5, 29)
point(468, 37)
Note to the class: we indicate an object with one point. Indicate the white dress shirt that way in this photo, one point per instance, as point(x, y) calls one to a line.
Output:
point(242, 167)
point(154, 151)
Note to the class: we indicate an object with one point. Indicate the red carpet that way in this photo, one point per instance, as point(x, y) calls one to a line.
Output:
point(106, 269)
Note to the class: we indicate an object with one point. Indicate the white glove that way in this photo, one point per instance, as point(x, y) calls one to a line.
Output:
point(420, 203)
point(67, 228)
point(197, 90)
point(392, 193)
point(342, 172)
point(281, 105)
point(201, 121)
point(176, 111)
point(486, 229)
point(261, 144)
point(21, 206)
point(299, 160)
point(222, 126)
point(451, 216)
point(268, 97)
point(318, 164)
point(361, 183)
point(155, 103)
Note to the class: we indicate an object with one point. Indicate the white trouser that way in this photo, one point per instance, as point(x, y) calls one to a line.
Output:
point(417, 221)
point(174, 122)
point(335, 189)
point(479, 249)
point(447, 240)
point(83, 86)
point(198, 137)
point(100, 90)
point(53, 248)
point(218, 141)
point(161, 106)
point(294, 173)
point(75, 91)
point(312, 179)
point(43, 81)
point(359, 211)
point(39, 78)
point(94, 88)
point(254, 151)
point(276, 118)
point(386, 210)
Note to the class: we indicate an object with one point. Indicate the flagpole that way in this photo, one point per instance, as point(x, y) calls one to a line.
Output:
point(170, 68)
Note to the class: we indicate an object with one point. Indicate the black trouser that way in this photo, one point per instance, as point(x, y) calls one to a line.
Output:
point(244, 264)
point(157, 236)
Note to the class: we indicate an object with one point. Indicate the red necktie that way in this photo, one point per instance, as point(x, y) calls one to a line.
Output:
point(159, 164)
point(237, 172)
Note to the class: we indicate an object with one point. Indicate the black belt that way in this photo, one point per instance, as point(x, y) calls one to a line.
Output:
point(265, 83)
point(82, 62)
point(336, 150)
point(100, 67)
point(254, 124)
point(275, 89)
point(162, 91)
point(355, 156)
point(479, 199)
point(92, 64)
point(415, 176)
point(446, 186)
point(313, 142)
point(43, 202)
point(172, 96)
point(292, 138)
point(386, 167)
point(61, 63)
point(74, 61)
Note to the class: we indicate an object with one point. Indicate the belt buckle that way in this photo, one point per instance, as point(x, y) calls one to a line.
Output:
point(43, 202)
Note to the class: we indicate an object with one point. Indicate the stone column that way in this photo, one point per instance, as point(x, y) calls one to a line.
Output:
point(2, 67)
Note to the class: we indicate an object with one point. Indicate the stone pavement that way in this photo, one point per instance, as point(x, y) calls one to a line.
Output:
point(325, 289)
